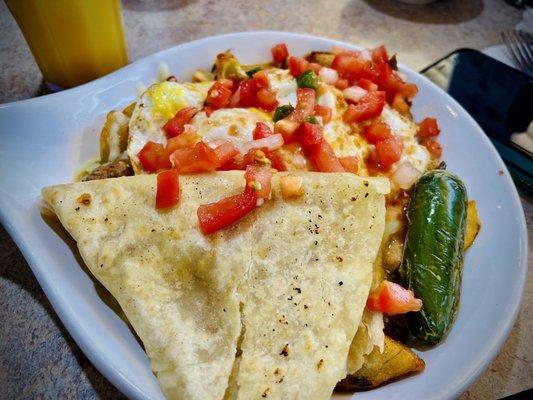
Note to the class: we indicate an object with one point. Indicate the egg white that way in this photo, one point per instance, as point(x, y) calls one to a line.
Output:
point(284, 84)
point(230, 124)
point(161, 101)
point(405, 129)
point(157, 105)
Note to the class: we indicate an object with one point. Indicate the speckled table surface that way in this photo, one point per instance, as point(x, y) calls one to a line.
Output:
point(38, 358)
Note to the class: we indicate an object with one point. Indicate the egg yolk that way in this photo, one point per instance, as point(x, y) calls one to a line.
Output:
point(167, 99)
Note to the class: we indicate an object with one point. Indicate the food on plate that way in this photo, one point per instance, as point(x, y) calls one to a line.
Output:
point(269, 305)
point(437, 220)
point(473, 225)
point(252, 179)
point(379, 366)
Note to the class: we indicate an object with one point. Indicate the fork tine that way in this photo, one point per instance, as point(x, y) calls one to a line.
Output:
point(511, 50)
point(524, 48)
point(526, 44)
point(521, 48)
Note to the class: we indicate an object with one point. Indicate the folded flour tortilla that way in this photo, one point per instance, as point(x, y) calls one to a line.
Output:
point(266, 308)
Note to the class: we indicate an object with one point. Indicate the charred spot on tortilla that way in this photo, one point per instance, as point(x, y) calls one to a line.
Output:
point(85, 199)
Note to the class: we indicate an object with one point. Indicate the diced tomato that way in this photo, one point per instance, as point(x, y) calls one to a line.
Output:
point(349, 163)
point(434, 148)
point(255, 93)
point(219, 95)
point(339, 50)
point(200, 158)
point(247, 93)
point(376, 131)
point(372, 162)
point(389, 151)
point(323, 112)
point(369, 106)
point(208, 110)
point(187, 139)
point(168, 189)
point(261, 78)
point(409, 90)
point(399, 104)
point(261, 131)
point(315, 67)
point(279, 52)
point(251, 157)
point(348, 66)
point(310, 134)
point(266, 99)
point(215, 216)
point(367, 84)
point(150, 156)
point(174, 126)
point(287, 129)
point(342, 84)
point(389, 81)
point(369, 72)
point(258, 178)
point(323, 158)
point(227, 83)
point(305, 105)
point(225, 153)
point(392, 299)
point(276, 160)
point(428, 128)
point(298, 66)
point(379, 55)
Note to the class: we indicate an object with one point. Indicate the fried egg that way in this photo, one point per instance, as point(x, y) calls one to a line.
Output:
point(230, 124)
point(157, 105)
point(340, 136)
point(161, 102)
point(405, 129)
point(284, 84)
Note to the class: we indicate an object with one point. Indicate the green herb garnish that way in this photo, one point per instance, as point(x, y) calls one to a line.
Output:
point(252, 71)
point(282, 112)
point(312, 119)
point(308, 79)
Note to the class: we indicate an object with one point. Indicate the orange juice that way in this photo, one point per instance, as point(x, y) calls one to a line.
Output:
point(73, 41)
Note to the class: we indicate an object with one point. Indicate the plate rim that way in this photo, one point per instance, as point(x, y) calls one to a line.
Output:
point(129, 388)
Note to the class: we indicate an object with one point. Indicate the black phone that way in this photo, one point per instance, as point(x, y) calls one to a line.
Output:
point(499, 98)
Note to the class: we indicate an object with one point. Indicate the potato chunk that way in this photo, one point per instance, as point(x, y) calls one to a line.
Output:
point(473, 224)
point(378, 368)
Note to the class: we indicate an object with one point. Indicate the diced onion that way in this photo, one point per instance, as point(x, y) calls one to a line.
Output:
point(405, 175)
point(216, 136)
point(365, 55)
point(353, 93)
point(272, 142)
point(291, 186)
point(328, 75)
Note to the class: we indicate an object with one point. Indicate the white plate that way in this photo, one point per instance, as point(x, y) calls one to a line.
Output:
point(44, 140)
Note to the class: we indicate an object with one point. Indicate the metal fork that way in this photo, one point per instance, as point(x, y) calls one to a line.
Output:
point(520, 48)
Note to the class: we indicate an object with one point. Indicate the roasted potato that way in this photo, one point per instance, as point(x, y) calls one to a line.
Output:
point(202, 76)
point(473, 224)
point(114, 136)
point(228, 67)
point(322, 58)
point(378, 368)
point(128, 110)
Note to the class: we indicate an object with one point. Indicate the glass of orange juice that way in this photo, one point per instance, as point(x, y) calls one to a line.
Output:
point(73, 41)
